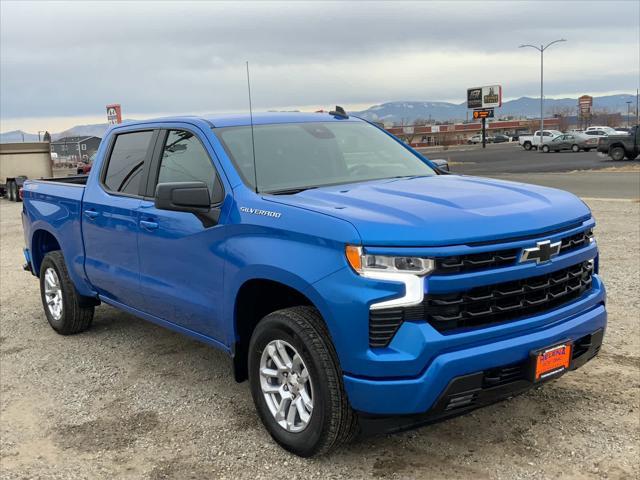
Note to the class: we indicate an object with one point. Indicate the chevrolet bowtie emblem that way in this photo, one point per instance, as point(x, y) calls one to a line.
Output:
point(542, 252)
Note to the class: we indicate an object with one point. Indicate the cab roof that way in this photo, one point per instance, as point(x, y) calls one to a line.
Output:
point(262, 118)
point(235, 120)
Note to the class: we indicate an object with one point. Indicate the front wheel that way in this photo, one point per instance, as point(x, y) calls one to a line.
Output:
point(575, 148)
point(617, 154)
point(545, 148)
point(66, 311)
point(296, 383)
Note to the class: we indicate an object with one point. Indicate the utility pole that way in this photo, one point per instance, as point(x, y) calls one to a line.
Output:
point(541, 49)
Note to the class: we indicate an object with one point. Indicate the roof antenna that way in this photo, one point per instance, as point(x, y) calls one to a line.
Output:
point(253, 143)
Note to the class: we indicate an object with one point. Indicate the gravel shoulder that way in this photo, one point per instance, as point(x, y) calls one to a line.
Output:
point(130, 400)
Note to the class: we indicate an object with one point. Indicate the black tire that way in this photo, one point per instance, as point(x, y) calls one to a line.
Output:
point(527, 146)
point(575, 148)
point(545, 148)
point(16, 192)
point(9, 191)
point(617, 154)
point(332, 421)
point(77, 314)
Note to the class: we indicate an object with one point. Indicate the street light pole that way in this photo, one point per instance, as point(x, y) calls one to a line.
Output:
point(541, 49)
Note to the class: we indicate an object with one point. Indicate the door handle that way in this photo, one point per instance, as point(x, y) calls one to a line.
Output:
point(148, 225)
point(91, 214)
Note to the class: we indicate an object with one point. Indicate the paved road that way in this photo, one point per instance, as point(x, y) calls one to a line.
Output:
point(605, 185)
point(512, 158)
point(579, 173)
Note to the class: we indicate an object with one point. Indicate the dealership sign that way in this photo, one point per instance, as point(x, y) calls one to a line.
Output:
point(114, 114)
point(484, 97)
point(483, 113)
point(585, 103)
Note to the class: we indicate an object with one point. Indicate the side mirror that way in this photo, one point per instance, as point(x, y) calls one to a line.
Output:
point(183, 197)
point(441, 163)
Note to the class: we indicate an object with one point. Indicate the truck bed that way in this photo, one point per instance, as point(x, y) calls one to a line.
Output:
point(73, 179)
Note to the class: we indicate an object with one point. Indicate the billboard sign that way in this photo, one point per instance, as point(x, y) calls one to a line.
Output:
point(484, 97)
point(114, 114)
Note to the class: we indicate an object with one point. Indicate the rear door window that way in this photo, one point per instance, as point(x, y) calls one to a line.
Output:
point(125, 168)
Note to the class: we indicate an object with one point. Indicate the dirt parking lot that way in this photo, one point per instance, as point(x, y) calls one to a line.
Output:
point(128, 399)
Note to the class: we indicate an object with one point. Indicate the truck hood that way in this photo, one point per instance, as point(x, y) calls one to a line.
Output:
point(443, 209)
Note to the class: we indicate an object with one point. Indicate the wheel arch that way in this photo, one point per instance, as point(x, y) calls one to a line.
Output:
point(42, 242)
point(256, 298)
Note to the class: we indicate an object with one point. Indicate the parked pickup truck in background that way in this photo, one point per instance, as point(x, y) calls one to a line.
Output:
point(357, 287)
point(619, 147)
point(533, 141)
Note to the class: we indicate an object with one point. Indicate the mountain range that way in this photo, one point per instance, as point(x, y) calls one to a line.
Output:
point(405, 112)
point(408, 112)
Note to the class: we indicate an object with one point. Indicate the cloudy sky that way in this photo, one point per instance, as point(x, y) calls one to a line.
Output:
point(62, 62)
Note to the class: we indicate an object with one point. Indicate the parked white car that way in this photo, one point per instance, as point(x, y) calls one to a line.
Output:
point(603, 130)
point(533, 141)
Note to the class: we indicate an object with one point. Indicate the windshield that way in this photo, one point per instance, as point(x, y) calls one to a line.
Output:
point(296, 156)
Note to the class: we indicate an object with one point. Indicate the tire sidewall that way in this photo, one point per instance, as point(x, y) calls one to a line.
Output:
point(304, 443)
point(546, 149)
point(575, 148)
point(50, 261)
point(613, 154)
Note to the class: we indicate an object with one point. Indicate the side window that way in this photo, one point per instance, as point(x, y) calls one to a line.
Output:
point(184, 159)
point(126, 162)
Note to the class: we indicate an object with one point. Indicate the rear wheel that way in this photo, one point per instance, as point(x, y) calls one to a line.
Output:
point(296, 383)
point(575, 148)
point(16, 192)
point(527, 146)
point(9, 191)
point(66, 311)
point(617, 153)
point(545, 148)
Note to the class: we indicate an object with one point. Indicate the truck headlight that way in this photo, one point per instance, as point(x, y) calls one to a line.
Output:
point(365, 263)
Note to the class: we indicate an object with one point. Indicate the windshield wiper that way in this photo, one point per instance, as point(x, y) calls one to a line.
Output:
point(289, 191)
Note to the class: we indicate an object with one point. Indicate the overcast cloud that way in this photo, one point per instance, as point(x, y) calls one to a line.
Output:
point(71, 59)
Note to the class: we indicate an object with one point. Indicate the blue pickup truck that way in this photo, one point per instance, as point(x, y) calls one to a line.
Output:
point(358, 287)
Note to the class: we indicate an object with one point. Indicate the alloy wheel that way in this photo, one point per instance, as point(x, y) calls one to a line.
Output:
point(286, 386)
point(53, 293)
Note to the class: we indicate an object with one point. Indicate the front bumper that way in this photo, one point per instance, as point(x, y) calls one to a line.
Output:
point(420, 394)
point(468, 392)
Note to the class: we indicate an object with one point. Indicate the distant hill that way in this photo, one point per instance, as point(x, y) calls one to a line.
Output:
point(17, 136)
point(398, 112)
point(95, 130)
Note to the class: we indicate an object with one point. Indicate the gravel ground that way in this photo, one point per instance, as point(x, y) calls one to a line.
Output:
point(128, 399)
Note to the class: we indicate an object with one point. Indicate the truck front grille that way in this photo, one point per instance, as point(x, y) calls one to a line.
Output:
point(486, 305)
point(501, 258)
point(507, 301)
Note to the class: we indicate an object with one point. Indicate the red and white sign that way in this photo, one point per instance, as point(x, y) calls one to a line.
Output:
point(585, 103)
point(114, 114)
